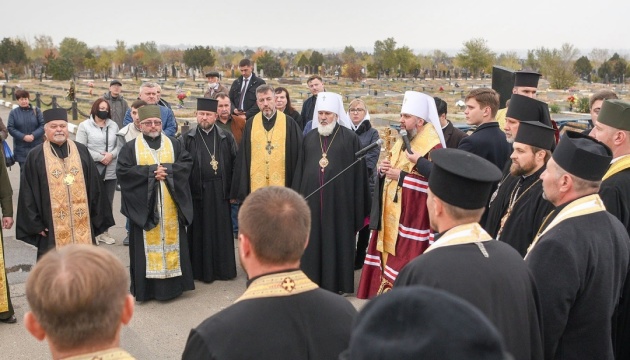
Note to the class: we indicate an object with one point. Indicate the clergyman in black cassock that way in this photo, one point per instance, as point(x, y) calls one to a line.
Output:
point(465, 261)
point(526, 208)
point(260, 145)
point(338, 210)
point(144, 202)
point(612, 128)
point(282, 314)
point(580, 257)
point(526, 214)
point(210, 237)
point(34, 214)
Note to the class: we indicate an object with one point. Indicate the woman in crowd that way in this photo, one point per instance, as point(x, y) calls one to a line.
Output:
point(98, 133)
point(283, 103)
point(26, 126)
point(361, 125)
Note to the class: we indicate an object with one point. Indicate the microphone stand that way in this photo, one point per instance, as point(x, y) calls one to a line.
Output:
point(336, 176)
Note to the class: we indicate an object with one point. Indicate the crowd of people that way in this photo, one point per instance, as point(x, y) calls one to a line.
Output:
point(496, 244)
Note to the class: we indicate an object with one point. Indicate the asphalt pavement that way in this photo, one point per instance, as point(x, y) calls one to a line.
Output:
point(158, 330)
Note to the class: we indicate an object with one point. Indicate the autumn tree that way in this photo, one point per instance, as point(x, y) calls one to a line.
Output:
point(557, 65)
point(73, 50)
point(583, 67)
point(384, 57)
point(270, 64)
point(475, 56)
point(614, 69)
point(316, 60)
point(12, 52)
point(509, 60)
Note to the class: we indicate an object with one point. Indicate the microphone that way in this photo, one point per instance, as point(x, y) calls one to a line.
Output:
point(362, 152)
point(403, 134)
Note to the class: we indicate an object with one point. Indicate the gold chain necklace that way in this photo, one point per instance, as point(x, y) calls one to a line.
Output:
point(269, 147)
point(513, 201)
point(68, 179)
point(323, 162)
point(213, 162)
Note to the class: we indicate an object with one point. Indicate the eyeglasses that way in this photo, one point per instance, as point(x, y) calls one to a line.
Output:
point(152, 123)
point(356, 110)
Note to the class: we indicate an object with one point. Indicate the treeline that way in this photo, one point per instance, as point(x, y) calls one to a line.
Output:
point(561, 66)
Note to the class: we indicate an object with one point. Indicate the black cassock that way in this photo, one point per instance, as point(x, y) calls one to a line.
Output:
point(241, 181)
point(338, 211)
point(528, 212)
point(314, 325)
point(139, 191)
point(33, 211)
point(615, 192)
point(579, 266)
point(499, 285)
point(210, 235)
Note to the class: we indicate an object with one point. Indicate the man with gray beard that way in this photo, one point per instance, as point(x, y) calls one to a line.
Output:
point(153, 170)
point(338, 209)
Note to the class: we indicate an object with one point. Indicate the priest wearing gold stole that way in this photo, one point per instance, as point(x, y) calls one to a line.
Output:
point(153, 172)
point(7, 315)
point(269, 149)
point(580, 255)
point(60, 200)
point(399, 211)
point(613, 129)
point(467, 262)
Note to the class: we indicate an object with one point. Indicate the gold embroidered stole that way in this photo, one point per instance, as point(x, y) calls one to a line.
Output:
point(583, 206)
point(462, 234)
point(276, 285)
point(617, 166)
point(68, 197)
point(4, 283)
point(420, 144)
point(161, 244)
point(267, 167)
point(109, 354)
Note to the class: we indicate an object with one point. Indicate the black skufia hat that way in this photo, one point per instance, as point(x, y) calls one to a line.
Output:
point(55, 114)
point(461, 178)
point(526, 78)
point(205, 104)
point(582, 156)
point(523, 108)
point(536, 134)
point(417, 322)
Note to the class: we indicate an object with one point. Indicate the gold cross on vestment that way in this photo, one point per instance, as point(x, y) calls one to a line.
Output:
point(288, 284)
point(56, 173)
point(269, 147)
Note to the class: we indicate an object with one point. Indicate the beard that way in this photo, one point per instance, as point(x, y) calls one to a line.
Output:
point(518, 170)
point(326, 130)
point(206, 125)
point(153, 134)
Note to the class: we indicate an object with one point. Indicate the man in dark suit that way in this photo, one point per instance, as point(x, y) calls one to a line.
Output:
point(487, 141)
point(452, 135)
point(243, 91)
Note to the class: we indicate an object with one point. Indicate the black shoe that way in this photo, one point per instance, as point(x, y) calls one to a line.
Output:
point(126, 241)
point(11, 320)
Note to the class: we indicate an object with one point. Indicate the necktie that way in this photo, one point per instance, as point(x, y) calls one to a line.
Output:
point(243, 91)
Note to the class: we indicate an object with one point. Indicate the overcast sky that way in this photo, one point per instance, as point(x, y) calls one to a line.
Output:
point(326, 24)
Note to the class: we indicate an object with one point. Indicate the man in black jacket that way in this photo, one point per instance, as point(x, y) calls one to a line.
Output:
point(243, 91)
point(315, 85)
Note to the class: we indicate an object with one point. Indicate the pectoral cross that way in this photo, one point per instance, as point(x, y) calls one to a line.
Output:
point(215, 164)
point(269, 147)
